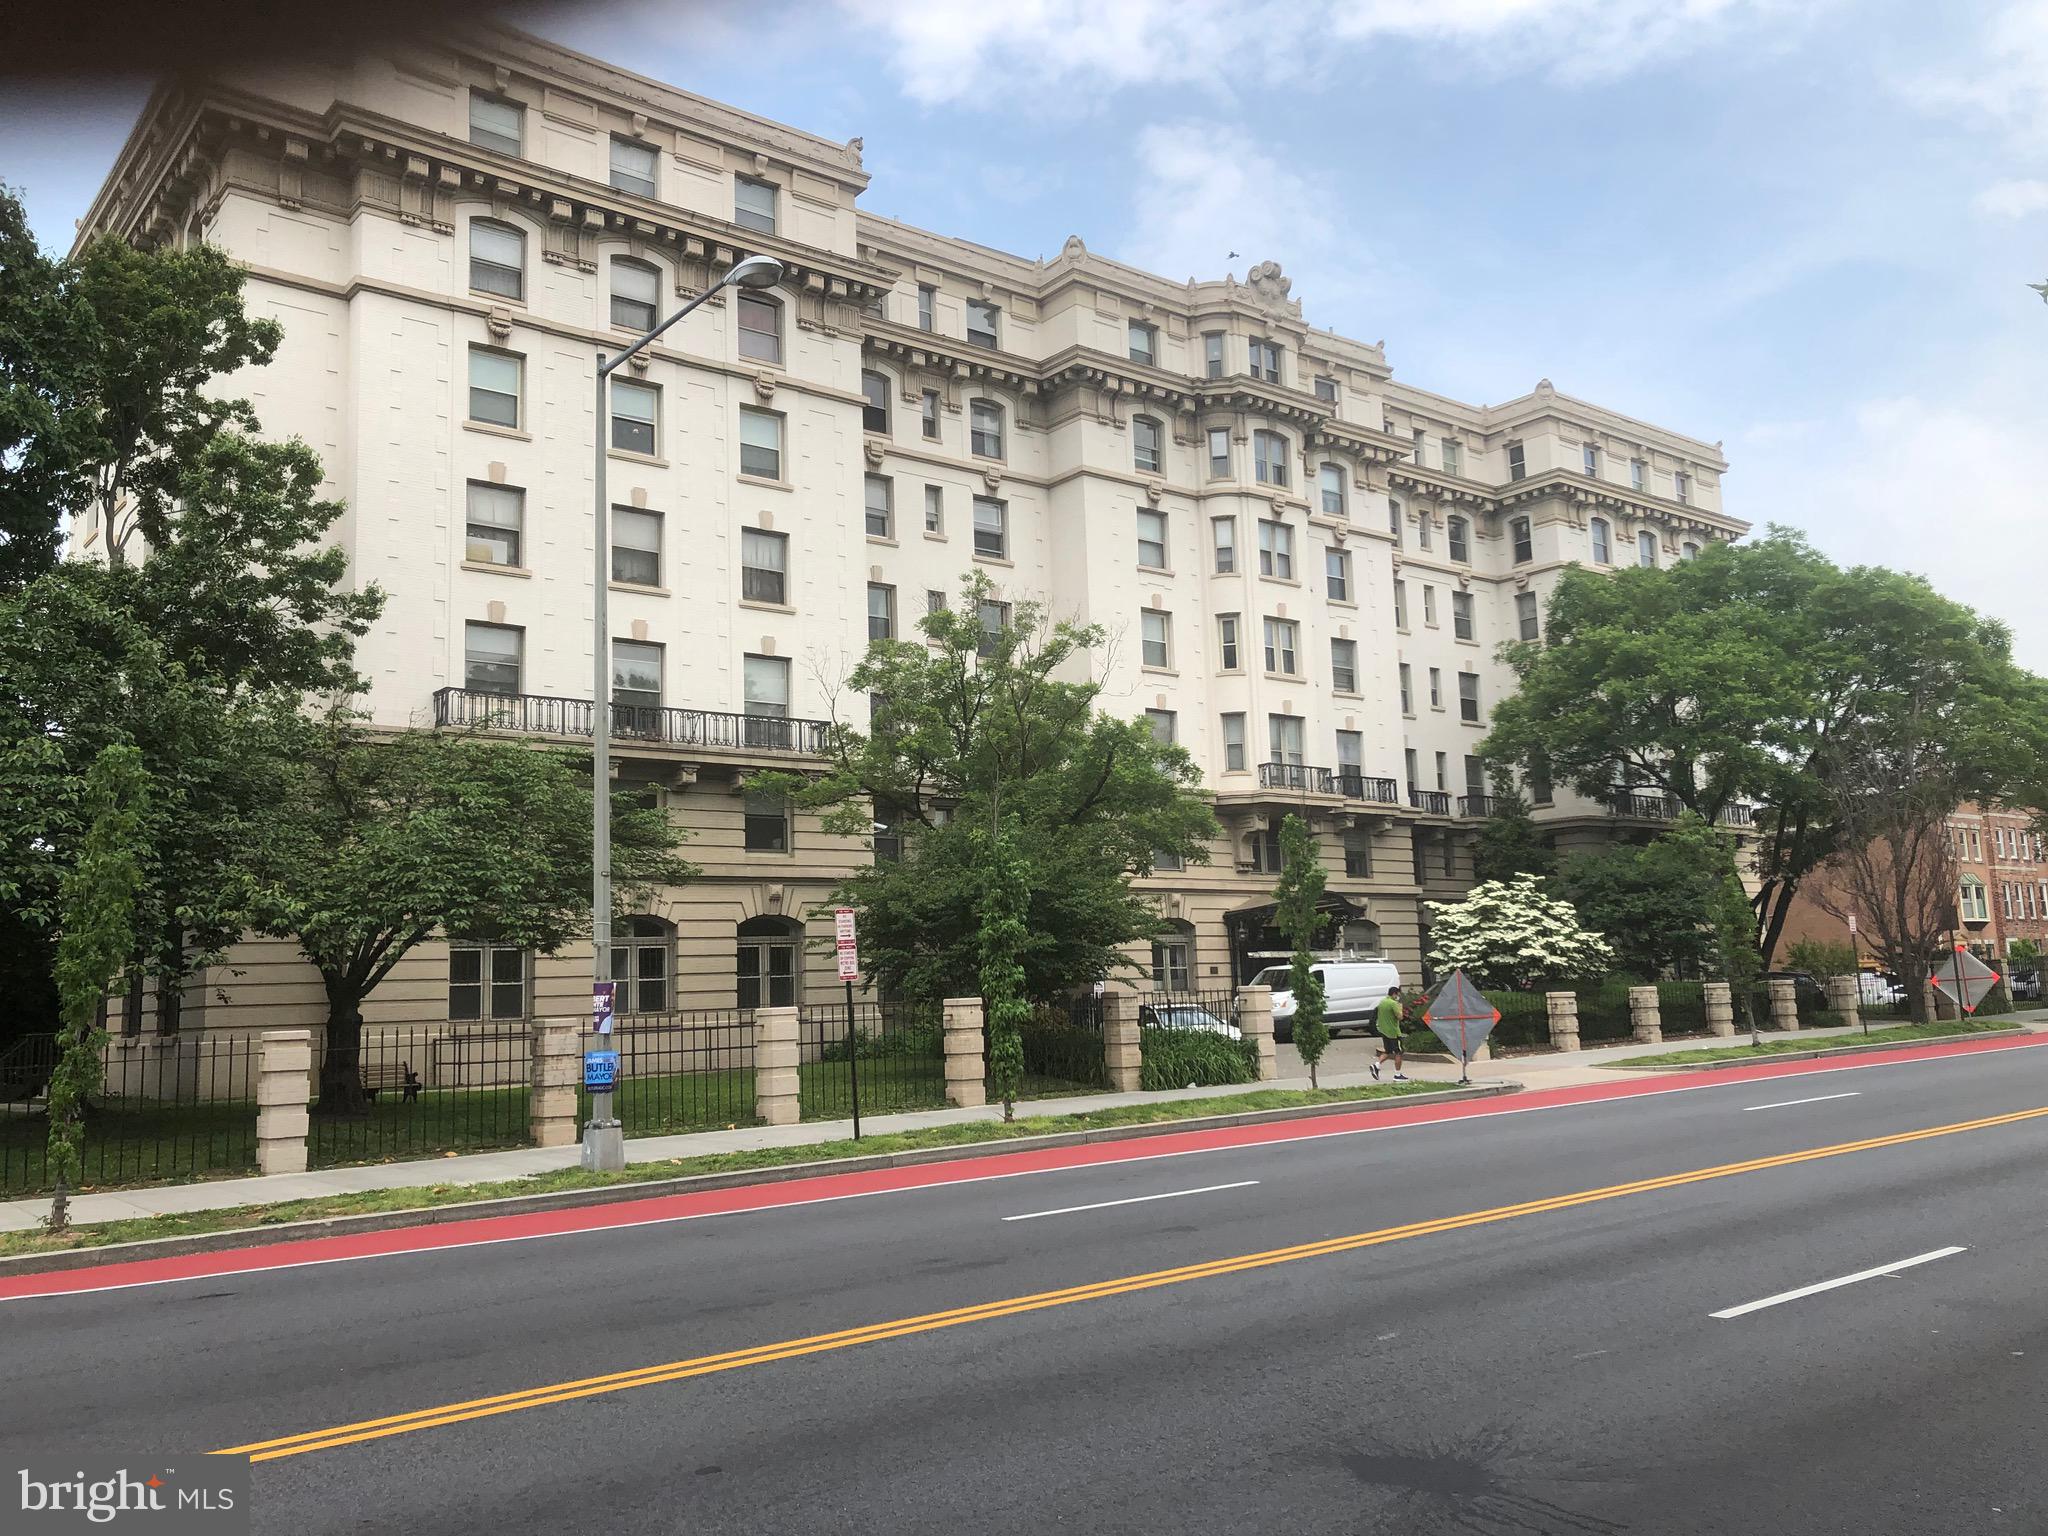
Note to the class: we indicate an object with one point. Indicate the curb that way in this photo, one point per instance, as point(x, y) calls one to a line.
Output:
point(611, 1194)
point(1651, 1063)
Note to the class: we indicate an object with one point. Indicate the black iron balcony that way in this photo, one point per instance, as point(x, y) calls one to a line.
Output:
point(1642, 806)
point(1298, 777)
point(1431, 802)
point(1738, 815)
point(1356, 786)
point(1481, 805)
point(534, 714)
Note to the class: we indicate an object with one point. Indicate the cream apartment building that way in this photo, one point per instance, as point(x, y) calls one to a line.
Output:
point(1306, 566)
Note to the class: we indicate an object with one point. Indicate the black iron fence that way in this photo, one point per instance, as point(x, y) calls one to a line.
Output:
point(1300, 777)
point(1063, 1050)
point(431, 1088)
point(1192, 1009)
point(172, 1107)
point(1357, 786)
point(547, 715)
point(1431, 802)
point(689, 1070)
point(902, 1058)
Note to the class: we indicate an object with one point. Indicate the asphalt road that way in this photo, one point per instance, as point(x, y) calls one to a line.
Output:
point(1551, 1370)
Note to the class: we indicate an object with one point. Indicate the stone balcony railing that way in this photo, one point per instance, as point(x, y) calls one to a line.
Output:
point(534, 714)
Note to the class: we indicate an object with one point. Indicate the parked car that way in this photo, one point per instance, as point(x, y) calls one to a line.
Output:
point(1186, 1016)
point(1352, 989)
point(2025, 984)
point(1877, 988)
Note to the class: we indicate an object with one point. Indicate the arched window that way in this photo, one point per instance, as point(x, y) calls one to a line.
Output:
point(1146, 436)
point(767, 962)
point(1603, 542)
point(1330, 480)
point(636, 294)
point(1361, 936)
point(1173, 959)
point(643, 959)
point(1646, 548)
point(1269, 458)
point(497, 258)
point(1459, 531)
point(1689, 551)
point(985, 429)
point(760, 328)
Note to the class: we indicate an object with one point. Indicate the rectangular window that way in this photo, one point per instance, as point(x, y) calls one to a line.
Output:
point(1281, 635)
point(486, 981)
point(985, 435)
point(1156, 631)
point(1409, 760)
point(1265, 360)
point(1144, 342)
point(496, 514)
point(632, 166)
point(1527, 624)
point(926, 297)
point(1344, 665)
point(874, 399)
point(1425, 529)
point(634, 410)
point(1518, 464)
point(497, 259)
point(636, 674)
point(1330, 483)
point(1429, 605)
point(491, 658)
point(760, 443)
point(1169, 960)
point(1468, 697)
point(1443, 768)
point(753, 204)
point(1407, 689)
point(636, 546)
point(1269, 458)
point(1226, 642)
point(1284, 738)
point(991, 528)
point(1454, 459)
point(1603, 552)
point(636, 293)
point(1165, 726)
point(1394, 521)
point(995, 618)
point(1646, 548)
point(881, 612)
point(1223, 534)
point(1449, 850)
point(983, 318)
point(1539, 781)
point(494, 380)
point(935, 509)
point(1276, 549)
point(761, 336)
point(1145, 444)
point(1589, 458)
point(1459, 537)
point(1212, 354)
point(767, 823)
point(495, 124)
point(1233, 743)
point(934, 600)
point(766, 687)
point(1219, 452)
point(1681, 487)
point(1326, 388)
point(1350, 752)
point(928, 414)
point(1475, 777)
point(1638, 473)
point(1421, 436)
point(881, 507)
point(1461, 615)
point(1152, 540)
point(764, 566)
point(1358, 855)
point(1525, 547)
point(1436, 687)
point(1337, 574)
point(1400, 603)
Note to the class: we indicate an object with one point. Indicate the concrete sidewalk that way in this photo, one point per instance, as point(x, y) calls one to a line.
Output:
point(1344, 1066)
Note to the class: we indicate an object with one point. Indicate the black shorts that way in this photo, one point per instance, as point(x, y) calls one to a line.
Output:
point(1391, 1044)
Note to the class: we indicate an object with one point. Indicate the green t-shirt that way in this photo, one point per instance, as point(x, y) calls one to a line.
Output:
point(1387, 1017)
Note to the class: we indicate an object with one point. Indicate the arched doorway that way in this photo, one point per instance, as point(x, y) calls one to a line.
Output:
point(767, 962)
point(643, 964)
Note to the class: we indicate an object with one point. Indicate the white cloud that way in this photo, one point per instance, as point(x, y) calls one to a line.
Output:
point(2002, 82)
point(2012, 199)
point(992, 53)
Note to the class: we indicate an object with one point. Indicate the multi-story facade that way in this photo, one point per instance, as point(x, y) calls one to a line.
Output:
point(1307, 565)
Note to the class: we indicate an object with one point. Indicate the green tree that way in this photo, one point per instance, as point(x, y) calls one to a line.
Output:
point(1737, 959)
point(98, 898)
point(37, 321)
point(1296, 900)
point(1510, 935)
point(1723, 681)
point(373, 846)
point(975, 728)
point(1003, 936)
point(1650, 900)
point(1822, 959)
point(1510, 842)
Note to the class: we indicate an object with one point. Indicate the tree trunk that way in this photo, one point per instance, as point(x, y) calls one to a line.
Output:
point(341, 1078)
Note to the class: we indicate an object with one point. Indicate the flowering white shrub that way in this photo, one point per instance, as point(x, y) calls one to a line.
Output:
point(1508, 934)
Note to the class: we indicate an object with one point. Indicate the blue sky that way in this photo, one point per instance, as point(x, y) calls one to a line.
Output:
point(1802, 227)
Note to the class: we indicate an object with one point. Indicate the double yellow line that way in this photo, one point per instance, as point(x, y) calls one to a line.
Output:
point(790, 1349)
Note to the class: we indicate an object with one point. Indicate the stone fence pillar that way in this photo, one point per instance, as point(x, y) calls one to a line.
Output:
point(1255, 1023)
point(1720, 1008)
point(1845, 997)
point(557, 1074)
point(1784, 1003)
point(1646, 1014)
point(1120, 1041)
point(775, 1060)
point(1564, 1020)
point(285, 1062)
point(966, 1068)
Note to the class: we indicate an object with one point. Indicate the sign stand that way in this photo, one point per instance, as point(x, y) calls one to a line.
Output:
point(846, 943)
point(1462, 1018)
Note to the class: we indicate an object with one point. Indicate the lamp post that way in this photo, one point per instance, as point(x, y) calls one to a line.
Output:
point(603, 1142)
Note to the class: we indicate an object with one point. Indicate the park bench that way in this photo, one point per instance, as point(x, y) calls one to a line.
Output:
point(383, 1075)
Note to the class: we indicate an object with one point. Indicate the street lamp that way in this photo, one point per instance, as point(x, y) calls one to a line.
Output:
point(603, 1142)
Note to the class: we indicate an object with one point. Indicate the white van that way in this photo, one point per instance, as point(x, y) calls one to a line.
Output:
point(1352, 989)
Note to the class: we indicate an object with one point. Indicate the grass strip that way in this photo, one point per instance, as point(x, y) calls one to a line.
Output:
point(1901, 1034)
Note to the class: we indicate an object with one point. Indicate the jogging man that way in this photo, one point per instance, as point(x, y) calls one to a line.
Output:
point(1387, 1020)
